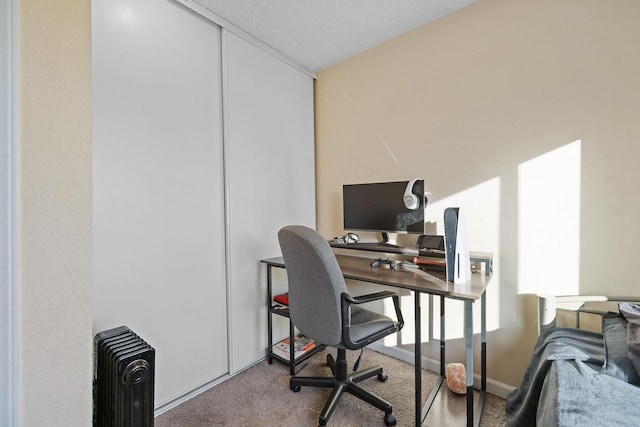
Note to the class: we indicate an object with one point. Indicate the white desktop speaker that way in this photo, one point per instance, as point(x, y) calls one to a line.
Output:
point(411, 201)
point(456, 249)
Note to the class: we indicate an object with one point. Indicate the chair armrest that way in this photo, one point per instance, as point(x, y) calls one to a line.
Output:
point(348, 300)
point(368, 298)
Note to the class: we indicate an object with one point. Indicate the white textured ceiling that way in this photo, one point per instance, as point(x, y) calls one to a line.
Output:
point(321, 33)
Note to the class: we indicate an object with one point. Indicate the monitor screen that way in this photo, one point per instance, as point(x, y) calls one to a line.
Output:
point(380, 207)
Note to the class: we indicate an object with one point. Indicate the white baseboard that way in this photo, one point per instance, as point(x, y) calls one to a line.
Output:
point(494, 387)
point(183, 398)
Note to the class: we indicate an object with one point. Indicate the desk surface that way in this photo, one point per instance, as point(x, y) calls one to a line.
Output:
point(359, 268)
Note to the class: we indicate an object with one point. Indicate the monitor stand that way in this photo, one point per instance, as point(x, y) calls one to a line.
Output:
point(380, 245)
point(385, 241)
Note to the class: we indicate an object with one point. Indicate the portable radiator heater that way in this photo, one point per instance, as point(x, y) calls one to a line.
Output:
point(123, 379)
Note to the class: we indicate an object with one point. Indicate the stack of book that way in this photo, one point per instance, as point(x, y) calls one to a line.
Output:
point(302, 345)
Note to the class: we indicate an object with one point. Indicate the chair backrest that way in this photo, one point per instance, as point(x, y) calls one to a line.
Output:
point(315, 284)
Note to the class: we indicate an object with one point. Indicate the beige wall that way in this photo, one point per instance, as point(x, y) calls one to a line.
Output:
point(523, 113)
point(54, 223)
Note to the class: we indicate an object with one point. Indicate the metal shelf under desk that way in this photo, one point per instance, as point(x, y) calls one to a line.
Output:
point(295, 363)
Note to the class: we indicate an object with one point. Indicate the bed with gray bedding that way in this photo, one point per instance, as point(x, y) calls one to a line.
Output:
point(582, 378)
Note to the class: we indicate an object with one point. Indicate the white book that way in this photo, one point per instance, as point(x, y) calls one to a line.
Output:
point(302, 345)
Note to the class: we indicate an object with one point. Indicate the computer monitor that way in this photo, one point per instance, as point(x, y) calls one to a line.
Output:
point(380, 207)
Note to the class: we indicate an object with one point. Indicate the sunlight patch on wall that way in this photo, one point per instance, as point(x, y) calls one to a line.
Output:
point(549, 222)
point(480, 211)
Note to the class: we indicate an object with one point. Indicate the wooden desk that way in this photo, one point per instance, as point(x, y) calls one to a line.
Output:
point(358, 268)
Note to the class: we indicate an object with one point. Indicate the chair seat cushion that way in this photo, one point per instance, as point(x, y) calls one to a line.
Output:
point(365, 323)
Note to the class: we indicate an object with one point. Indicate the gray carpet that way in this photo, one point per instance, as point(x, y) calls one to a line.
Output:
point(260, 396)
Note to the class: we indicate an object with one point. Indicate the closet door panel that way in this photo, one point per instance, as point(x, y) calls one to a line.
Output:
point(158, 187)
point(269, 140)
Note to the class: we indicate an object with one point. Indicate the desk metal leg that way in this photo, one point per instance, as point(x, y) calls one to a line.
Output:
point(418, 361)
point(269, 320)
point(443, 341)
point(468, 333)
point(483, 341)
point(292, 349)
point(483, 358)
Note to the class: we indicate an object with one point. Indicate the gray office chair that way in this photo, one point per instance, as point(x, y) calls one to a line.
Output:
point(322, 309)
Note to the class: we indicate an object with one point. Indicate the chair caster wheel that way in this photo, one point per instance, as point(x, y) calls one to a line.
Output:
point(389, 420)
point(382, 377)
point(295, 388)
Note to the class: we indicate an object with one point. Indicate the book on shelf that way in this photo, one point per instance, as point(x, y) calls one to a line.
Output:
point(280, 307)
point(302, 345)
point(282, 299)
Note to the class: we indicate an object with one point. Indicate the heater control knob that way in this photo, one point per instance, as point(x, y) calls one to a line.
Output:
point(135, 372)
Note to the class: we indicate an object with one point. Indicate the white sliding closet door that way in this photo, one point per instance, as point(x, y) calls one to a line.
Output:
point(159, 259)
point(269, 140)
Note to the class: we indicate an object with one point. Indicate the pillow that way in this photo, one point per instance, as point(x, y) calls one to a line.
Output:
point(631, 313)
point(617, 363)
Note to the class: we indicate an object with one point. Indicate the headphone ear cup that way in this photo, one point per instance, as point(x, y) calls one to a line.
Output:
point(411, 201)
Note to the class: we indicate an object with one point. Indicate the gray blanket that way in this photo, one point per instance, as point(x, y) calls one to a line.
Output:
point(574, 394)
point(563, 386)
